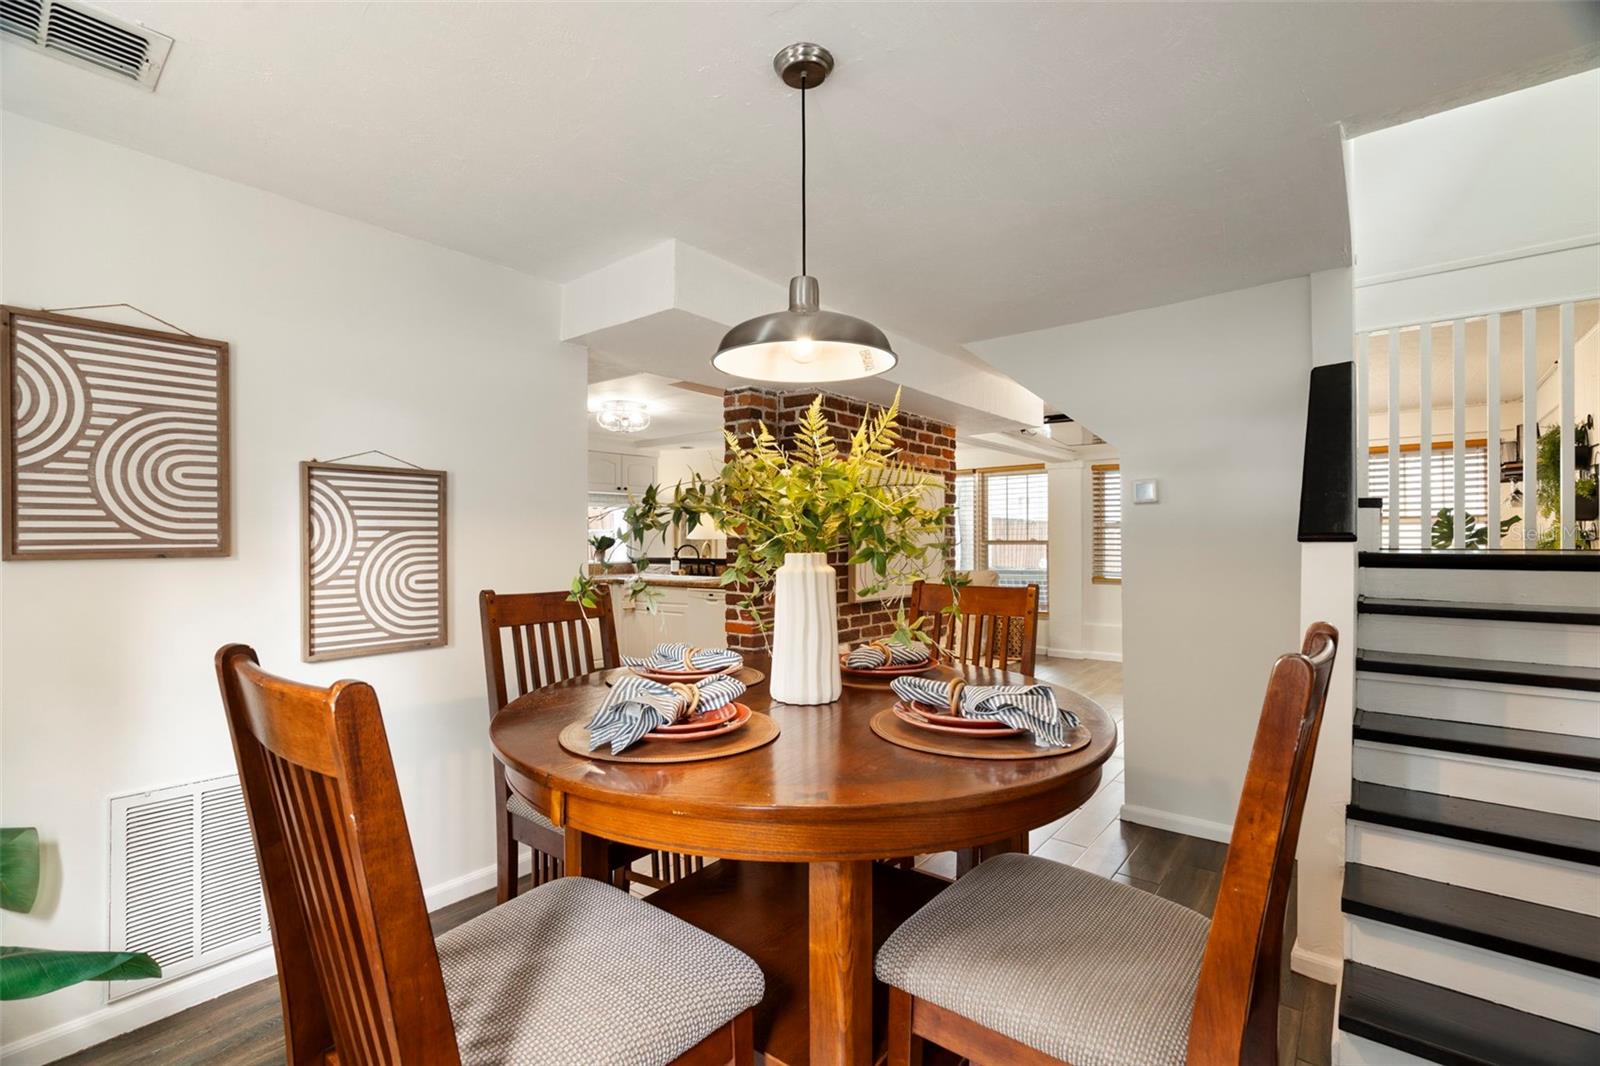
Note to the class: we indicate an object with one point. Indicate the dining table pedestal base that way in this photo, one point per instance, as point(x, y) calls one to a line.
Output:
point(797, 918)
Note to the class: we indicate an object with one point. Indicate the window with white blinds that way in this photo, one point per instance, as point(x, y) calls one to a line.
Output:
point(1002, 524)
point(1441, 487)
point(1107, 498)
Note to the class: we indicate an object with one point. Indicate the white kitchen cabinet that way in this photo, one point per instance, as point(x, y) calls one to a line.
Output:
point(638, 472)
point(620, 472)
point(687, 615)
point(605, 472)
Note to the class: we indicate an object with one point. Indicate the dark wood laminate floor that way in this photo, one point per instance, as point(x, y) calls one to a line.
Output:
point(243, 1028)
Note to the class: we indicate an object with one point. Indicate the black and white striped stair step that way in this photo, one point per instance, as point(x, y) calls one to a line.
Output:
point(1486, 741)
point(1481, 612)
point(1556, 836)
point(1573, 561)
point(1486, 671)
point(1445, 1026)
point(1567, 940)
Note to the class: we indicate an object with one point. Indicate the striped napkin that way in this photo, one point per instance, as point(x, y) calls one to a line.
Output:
point(1030, 707)
point(636, 705)
point(682, 658)
point(881, 653)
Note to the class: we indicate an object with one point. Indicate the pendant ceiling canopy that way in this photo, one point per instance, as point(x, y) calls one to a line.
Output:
point(804, 343)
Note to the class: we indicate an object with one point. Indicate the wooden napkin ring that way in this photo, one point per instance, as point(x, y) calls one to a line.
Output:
point(690, 694)
point(688, 658)
point(883, 649)
point(956, 685)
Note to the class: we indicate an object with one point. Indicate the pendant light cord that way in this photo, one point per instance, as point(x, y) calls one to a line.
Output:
point(803, 174)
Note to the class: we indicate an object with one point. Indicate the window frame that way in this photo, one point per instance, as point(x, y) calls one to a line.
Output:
point(1098, 527)
point(1423, 524)
point(980, 539)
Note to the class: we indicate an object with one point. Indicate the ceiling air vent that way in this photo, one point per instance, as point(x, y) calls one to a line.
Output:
point(86, 37)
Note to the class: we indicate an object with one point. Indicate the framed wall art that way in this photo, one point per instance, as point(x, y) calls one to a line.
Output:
point(115, 440)
point(373, 559)
point(903, 571)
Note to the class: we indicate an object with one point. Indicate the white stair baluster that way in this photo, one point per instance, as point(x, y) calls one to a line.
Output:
point(1569, 513)
point(1491, 378)
point(1458, 393)
point(1530, 427)
point(1391, 506)
point(1363, 416)
point(1425, 435)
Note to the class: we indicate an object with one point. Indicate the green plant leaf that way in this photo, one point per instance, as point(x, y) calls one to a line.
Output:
point(19, 868)
point(28, 972)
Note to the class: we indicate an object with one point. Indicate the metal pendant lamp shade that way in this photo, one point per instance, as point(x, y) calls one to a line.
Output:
point(805, 343)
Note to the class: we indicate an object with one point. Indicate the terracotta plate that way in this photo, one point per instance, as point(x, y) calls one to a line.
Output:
point(740, 714)
point(700, 722)
point(926, 718)
point(902, 670)
point(667, 677)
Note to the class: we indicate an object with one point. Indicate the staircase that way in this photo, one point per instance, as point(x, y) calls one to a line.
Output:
point(1472, 881)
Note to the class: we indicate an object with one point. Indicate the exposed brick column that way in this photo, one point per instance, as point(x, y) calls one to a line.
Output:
point(924, 443)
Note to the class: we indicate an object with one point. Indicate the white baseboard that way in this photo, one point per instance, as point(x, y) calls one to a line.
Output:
point(164, 1000)
point(1177, 823)
point(1314, 964)
point(1071, 653)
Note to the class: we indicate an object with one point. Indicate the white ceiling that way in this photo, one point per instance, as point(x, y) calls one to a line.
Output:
point(979, 169)
point(681, 413)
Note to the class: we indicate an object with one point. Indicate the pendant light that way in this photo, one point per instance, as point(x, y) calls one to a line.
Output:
point(804, 343)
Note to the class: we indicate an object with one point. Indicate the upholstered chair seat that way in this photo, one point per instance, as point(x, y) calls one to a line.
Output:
point(1089, 971)
point(575, 972)
point(518, 807)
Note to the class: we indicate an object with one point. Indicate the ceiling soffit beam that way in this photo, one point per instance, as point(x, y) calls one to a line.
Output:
point(664, 309)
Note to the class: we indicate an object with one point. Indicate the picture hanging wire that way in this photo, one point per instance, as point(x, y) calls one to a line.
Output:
point(140, 310)
point(371, 451)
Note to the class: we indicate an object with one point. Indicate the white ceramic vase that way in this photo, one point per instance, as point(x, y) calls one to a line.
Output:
point(805, 637)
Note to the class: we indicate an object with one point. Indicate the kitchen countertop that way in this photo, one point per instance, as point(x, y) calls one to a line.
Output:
point(661, 577)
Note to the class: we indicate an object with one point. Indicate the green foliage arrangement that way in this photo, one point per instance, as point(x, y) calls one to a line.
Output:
point(601, 543)
point(1475, 535)
point(28, 972)
point(811, 497)
point(1548, 461)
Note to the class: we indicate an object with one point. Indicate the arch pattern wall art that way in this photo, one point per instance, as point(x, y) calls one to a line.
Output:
point(373, 554)
point(115, 440)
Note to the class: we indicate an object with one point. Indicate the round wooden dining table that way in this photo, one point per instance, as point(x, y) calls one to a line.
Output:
point(797, 824)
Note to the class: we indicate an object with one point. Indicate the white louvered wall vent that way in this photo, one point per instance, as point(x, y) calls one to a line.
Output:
point(184, 882)
point(89, 38)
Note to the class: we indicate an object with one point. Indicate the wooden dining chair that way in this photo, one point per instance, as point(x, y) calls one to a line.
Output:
point(551, 640)
point(571, 971)
point(993, 624)
point(1030, 961)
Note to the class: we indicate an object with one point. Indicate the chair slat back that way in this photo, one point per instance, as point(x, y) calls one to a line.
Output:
point(1235, 1016)
point(357, 969)
point(550, 640)
point(989, 617)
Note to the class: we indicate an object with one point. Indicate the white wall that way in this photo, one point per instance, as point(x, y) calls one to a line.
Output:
point(1488, 207)
point(344, 337)
point(678, 464)
point(1208, 397)
point(1085, 619)
point(1512, 174)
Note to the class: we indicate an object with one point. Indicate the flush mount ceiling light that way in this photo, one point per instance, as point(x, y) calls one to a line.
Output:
point(623, 416)
point(804, 343)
